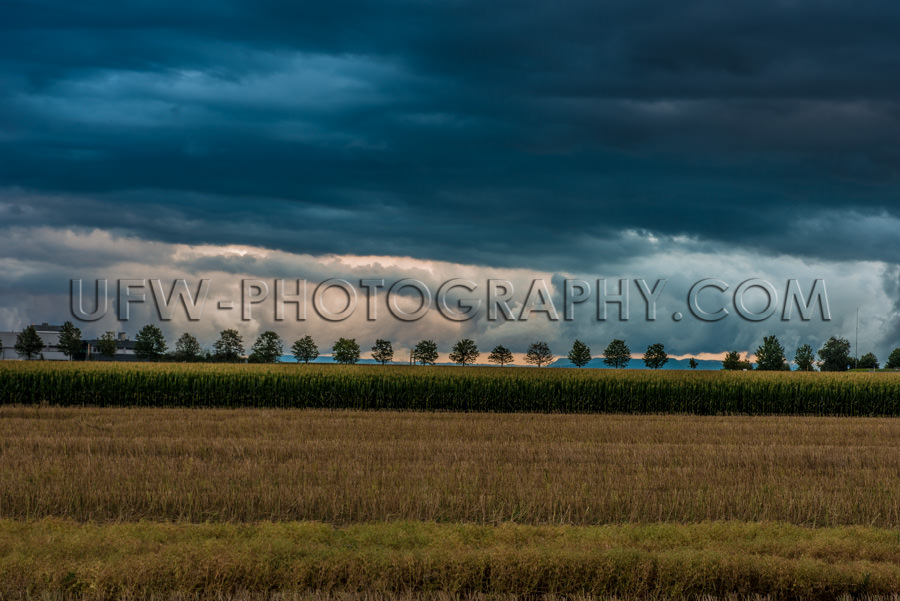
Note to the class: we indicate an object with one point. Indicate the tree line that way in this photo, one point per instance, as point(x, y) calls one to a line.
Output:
point(150, 345)
point(833, 356)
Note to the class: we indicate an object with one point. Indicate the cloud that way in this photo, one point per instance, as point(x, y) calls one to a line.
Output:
point(389, 129)
point(38, 290)
point(524, 138)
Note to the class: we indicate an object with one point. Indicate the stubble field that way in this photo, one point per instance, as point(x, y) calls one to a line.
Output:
point(106, 503)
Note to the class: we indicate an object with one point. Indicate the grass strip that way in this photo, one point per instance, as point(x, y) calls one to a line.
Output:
point(149, 559)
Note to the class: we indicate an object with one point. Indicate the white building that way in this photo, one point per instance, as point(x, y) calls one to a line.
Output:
point(49, 334)
point(124, 349)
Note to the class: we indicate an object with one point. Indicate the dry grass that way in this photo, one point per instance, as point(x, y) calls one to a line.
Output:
point(347, 467)
point(315, 595)
point(660, 560)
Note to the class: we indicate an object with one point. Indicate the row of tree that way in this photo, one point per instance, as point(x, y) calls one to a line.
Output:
point(833, 356)
point(150, 345)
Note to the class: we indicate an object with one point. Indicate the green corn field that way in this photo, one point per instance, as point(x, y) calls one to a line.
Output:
point(487, 389)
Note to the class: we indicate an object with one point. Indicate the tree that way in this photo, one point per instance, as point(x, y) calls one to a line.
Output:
point(580, 355)
point(770, 356)
point(656, 356)
point(106, 345)
point(345, 351)
point(464, 352)
point(267, 348)
point(804, 358)
point(187, 348)
point(150, 344)
point(734, 362)
point(894, 359)
point(425, 352)
point(69, 340)
point(501, 355)
point(229, 346)
point(383, 352)
point(28, 343)
point(835, 355)
point(868, 361)
point(538, 354)
point(305, 350)
point(617, 354)
point(692, 363)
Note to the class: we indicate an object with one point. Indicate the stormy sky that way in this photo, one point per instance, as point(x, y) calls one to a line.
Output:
point(515, 140)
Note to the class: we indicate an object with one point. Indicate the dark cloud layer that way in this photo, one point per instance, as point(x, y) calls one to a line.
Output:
point(509, 133)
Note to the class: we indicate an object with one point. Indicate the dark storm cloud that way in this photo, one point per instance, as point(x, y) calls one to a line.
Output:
point(891, 329)
point(508, 134)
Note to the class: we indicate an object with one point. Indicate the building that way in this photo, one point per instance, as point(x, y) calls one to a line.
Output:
point(124, 349)
point(48, 333)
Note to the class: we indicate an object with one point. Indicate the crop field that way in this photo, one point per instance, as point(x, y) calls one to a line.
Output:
point(451, 389)
point(343, 467)
point(153, 503)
